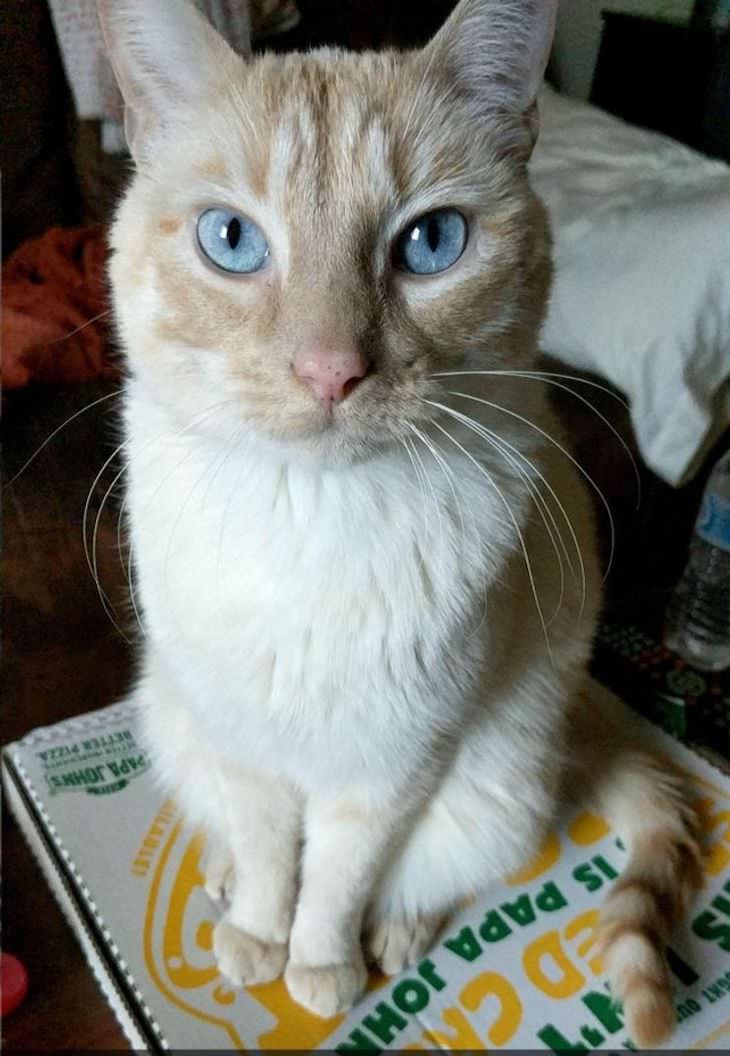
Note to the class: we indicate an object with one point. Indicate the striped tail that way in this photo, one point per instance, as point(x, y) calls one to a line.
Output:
point(648, 805)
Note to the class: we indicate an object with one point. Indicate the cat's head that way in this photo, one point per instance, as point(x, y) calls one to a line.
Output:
point(309, 237)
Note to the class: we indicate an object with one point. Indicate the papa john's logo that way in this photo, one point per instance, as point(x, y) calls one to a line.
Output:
point(97, 765)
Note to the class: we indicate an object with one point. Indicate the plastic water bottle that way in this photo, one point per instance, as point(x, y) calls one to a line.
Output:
point(698, 618)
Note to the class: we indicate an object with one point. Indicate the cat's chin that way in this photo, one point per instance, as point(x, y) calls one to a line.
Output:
point(337, 446)
point(332, 448)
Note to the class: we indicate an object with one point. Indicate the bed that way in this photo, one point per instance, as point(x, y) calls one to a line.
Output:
point(642, 274)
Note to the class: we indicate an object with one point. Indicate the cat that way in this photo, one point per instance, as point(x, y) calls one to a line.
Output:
point(365, 561)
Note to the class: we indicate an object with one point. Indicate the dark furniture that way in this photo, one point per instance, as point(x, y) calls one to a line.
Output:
point(668, 76)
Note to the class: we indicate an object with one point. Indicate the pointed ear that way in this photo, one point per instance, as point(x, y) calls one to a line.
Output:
point(167, 59)
point(496, 51)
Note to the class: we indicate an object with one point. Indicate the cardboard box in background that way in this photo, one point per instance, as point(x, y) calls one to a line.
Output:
point(514, 970)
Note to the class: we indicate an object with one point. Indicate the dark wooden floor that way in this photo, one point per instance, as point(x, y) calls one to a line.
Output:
point(62, 657)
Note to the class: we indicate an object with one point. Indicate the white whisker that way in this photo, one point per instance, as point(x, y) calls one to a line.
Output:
point(548, 377)
point(495, 441)
point(495, 438)
point(450, 479)
point(551, 439)
point(609, 425)
point(408, 446)
point(504, 449)
point(97, 522)
point(528, 564)
point(445, 469)
point(131, 587)
point(83, 326)
point(434, 498)
point(535, 374)
point(105, 602)
point(127, 568)
point(58, 429)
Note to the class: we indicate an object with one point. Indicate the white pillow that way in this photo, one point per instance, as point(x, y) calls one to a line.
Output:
point(642, 274)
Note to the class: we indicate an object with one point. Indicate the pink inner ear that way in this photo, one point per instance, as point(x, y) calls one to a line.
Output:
point(330, 370)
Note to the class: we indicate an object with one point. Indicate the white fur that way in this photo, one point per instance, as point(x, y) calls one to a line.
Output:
point(315, 628)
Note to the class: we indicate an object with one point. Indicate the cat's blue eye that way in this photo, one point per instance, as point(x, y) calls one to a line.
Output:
point(432, 243)
point(231, 241)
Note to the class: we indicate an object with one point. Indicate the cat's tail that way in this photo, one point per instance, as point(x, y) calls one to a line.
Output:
point(648, 805)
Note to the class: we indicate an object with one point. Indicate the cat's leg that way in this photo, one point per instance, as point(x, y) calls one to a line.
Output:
point(262, 821)
point(185, 766)
point(345, 846)
point(218, 869)
point(251, 825)
point(485, 821)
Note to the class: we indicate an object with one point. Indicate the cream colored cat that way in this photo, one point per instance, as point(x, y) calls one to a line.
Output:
point(367, 579)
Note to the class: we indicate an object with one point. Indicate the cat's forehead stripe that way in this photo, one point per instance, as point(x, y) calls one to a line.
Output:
point(329, 145)
point(310, 136)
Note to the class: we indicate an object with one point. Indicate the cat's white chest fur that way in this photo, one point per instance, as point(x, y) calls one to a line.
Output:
point(308, 613)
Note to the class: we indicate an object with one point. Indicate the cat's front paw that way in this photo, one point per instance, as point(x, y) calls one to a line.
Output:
point(326, 991)
point(395, 944)
point(244, 959)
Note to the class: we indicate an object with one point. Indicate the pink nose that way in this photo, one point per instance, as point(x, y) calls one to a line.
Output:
point(331, 375)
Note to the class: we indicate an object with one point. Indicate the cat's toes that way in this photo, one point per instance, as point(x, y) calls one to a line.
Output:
point(219, 876)
point(326, 991)
point(244, 959)
point(395, 944)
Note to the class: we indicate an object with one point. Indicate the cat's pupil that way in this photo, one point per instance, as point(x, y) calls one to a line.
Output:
point(233, 233)
point(433, 234)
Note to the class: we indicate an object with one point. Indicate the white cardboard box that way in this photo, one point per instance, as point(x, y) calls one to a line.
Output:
point(513, 970)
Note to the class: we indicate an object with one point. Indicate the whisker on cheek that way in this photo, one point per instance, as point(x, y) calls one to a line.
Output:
point(452, 483)
point(560, 447)
point(78, 329)
point(518, 461)
point(515, 524)
point(548, 377)
point(90, 546)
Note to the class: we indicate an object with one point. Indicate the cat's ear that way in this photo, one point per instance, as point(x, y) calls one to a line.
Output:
point(167, 59)
point(496, 52)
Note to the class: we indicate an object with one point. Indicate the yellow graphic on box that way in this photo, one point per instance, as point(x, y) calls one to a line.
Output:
point(715, 822)
point(190, 987)
point(585, 829)
point(563, 979)
point(557, 962)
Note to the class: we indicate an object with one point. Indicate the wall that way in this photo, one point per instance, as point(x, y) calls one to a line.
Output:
point(578, 36)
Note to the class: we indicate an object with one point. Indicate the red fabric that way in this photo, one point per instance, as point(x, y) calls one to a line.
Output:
point(54, 288)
